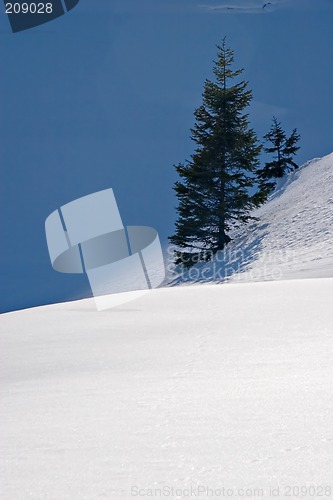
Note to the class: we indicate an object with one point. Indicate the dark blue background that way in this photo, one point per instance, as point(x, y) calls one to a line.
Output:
point(104, 97)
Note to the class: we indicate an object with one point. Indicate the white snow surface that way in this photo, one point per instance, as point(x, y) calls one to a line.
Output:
point(207, 391)
point(292, 239)
point(208, 386)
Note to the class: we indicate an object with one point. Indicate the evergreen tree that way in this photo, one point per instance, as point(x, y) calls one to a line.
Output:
point(283, 149)
point(214, 192)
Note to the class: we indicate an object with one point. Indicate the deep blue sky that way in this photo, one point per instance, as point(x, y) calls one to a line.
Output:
point(104, 97)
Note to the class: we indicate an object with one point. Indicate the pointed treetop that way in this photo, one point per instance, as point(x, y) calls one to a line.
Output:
point(222, 67)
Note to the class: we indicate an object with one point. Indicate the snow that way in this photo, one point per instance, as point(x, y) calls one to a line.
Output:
point(213, 386)
point(201, 391)
point(292, 239)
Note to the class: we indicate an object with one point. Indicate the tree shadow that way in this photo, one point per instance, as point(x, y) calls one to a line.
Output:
point(236, 258)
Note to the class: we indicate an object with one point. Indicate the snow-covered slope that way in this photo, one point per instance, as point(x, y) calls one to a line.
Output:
point(188, 387)
point(203, 391)
point(292, 239)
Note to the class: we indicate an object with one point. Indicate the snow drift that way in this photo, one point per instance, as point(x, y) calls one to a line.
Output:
point(204, 386)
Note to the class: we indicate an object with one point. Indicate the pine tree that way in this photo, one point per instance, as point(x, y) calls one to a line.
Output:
point(214, 190)
point(284, 149)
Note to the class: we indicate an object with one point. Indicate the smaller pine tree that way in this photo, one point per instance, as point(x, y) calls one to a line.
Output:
point(284, 149)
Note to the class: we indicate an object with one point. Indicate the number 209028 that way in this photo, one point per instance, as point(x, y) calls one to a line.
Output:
point(29, 8)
